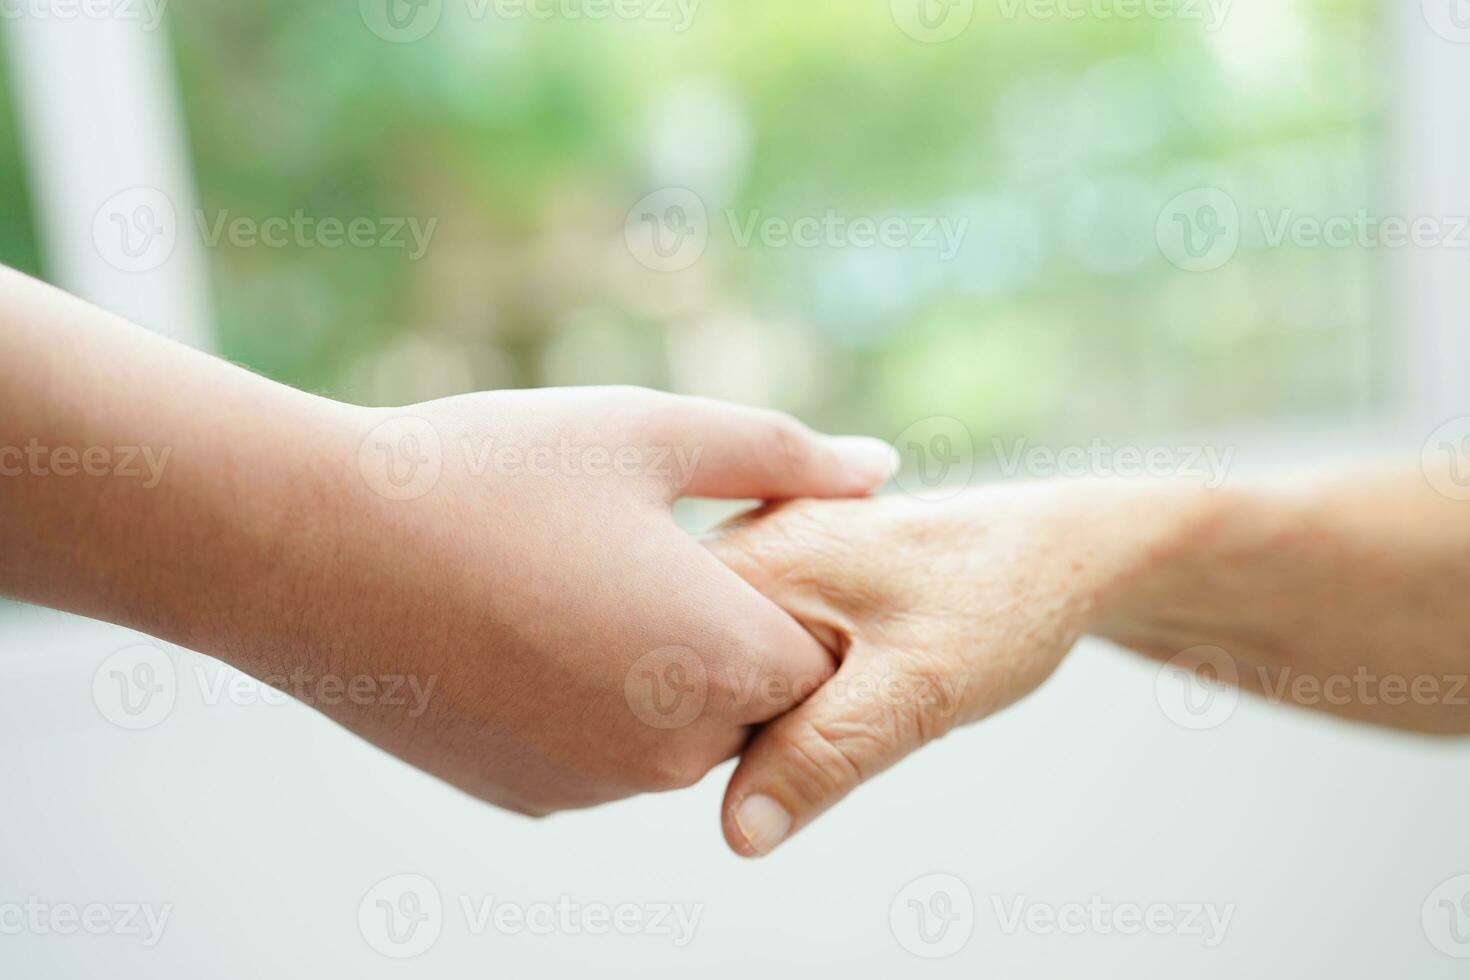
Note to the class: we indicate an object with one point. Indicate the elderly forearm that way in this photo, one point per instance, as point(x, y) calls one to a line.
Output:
point(1345, 593)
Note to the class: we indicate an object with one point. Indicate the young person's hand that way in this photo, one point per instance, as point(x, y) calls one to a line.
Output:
point(510, 558)
point(586, 648)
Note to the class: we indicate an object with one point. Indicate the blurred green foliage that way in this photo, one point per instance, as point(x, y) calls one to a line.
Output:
point(1060, 140)
point(17, 229)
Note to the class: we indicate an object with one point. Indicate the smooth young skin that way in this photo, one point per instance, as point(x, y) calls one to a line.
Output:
point(525, 587)
point(943, 613)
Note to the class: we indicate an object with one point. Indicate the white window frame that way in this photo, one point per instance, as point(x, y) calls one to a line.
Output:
point(1427, 149)
point(98, 108)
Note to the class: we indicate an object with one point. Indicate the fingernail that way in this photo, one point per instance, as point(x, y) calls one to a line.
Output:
point(763, 822)
point(872, 460)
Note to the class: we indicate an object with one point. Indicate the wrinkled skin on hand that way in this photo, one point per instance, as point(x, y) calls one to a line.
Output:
point(940, 615)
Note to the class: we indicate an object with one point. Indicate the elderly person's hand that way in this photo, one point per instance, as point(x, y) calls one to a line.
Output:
point(943, 613)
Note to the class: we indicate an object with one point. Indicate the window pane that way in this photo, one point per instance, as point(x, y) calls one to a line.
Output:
point(1042, 226)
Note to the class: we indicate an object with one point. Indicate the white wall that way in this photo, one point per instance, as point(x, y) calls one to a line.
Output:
point(265, 827)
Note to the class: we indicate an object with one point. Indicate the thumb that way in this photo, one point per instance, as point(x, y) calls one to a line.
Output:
point(735, 452)
point(859, 723)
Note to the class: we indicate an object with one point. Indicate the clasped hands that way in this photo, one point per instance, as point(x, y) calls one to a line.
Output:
point(515, 554)
point(585, 648)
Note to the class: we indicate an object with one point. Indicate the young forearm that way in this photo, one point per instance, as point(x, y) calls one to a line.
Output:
point(144, 482)
point(1344, 593)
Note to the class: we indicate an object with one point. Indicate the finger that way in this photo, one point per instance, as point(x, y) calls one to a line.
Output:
point(736, 452)
point(806, 760)
point(744, 543)
point(759, 661)
point(768, 562)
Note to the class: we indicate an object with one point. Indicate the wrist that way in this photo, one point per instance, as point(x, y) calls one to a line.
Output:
point(1161, 538)
point(1115, 545)
point(1097, 548)
point(266, 509)
point(370, 549)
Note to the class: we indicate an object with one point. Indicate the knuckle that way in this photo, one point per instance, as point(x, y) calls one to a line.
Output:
point(726, 689)
point(937, 703)
point(788, 441)
point(925, 726)
point(830, 755)
point(809, 518)
point(628, 409)
point(752, 679)
point(663, 772)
